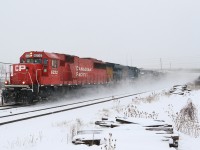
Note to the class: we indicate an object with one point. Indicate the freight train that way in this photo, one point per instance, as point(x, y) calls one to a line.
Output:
point(40, 75)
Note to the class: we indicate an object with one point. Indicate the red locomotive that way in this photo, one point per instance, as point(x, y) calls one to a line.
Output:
point(41, 74)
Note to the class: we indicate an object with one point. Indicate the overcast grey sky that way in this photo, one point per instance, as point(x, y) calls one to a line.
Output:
point(133, 32)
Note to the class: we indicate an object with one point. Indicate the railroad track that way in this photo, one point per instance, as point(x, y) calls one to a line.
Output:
point(12, 118)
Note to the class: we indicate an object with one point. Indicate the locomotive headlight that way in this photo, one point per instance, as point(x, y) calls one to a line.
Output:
point(6, 82)
point(23, 82)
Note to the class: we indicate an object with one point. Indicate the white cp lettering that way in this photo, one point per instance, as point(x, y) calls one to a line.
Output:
point(20, 67)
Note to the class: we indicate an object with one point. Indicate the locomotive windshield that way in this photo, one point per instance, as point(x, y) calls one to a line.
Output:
point(34, 60)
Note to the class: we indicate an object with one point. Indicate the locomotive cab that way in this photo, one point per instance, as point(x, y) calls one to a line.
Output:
point(24, 78)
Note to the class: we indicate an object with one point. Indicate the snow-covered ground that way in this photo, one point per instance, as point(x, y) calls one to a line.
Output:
point(56, 131)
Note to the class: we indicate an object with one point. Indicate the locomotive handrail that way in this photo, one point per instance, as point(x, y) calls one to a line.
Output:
point(37, 79)
point(31, 80)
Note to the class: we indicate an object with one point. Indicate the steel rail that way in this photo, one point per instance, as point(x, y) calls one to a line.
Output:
point(63, 110)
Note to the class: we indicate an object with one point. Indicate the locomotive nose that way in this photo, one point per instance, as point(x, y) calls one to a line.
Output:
point(24, 73)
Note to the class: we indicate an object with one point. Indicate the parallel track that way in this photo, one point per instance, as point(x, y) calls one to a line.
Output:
point(88, 103)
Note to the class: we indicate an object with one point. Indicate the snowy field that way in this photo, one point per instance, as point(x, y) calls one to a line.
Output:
point(56, 131)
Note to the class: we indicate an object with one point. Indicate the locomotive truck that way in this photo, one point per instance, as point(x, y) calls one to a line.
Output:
point(40, 75)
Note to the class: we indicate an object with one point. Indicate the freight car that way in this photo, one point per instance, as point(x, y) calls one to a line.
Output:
point(41, 74)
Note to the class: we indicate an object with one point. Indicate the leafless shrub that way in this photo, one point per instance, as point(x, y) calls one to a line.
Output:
point(110, 143)
point(152, 97)
point(132, 111)
point(116, 105)
point(186, 121)
point(136, 101)
point(149, 99)
point(167, 94)
point(31, 139)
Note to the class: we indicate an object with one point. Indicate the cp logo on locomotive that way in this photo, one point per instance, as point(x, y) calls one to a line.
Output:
point(20, 67)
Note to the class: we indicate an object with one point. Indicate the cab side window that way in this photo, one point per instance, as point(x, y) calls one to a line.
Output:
point(45, 62)
point(29, 60)
point(22, 60)
point(54, 63)
point(37, 60)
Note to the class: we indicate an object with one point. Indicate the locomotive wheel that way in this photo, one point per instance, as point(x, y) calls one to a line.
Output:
point(28, 97)
point(28, 101)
